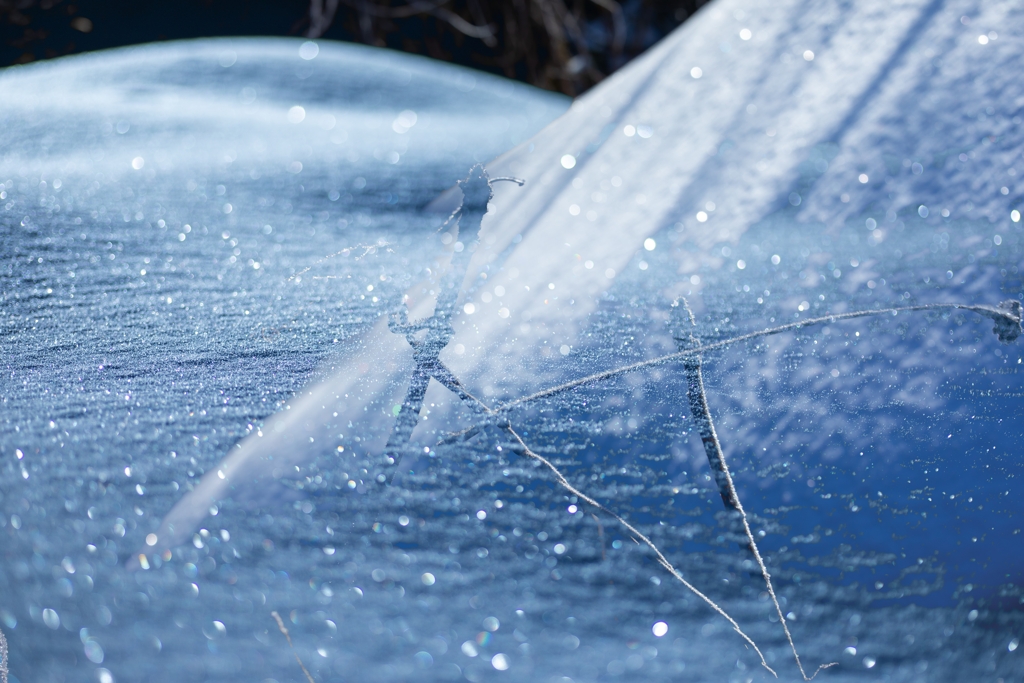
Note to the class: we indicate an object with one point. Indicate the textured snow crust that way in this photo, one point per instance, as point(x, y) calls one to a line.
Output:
point(766, 163)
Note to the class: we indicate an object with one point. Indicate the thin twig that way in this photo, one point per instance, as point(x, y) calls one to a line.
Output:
point(1008, 328)
point(642, 538)
point(367, 249)
point(1006, 316)
point(280, 625)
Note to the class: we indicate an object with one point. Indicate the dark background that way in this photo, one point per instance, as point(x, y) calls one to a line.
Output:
point(561, 45)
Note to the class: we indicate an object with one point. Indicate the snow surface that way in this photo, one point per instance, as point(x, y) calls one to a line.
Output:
point(784, 161)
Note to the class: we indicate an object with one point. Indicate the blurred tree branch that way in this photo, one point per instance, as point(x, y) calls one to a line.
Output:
point(563, 45)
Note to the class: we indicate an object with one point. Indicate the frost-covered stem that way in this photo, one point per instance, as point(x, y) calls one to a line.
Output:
point(702, 417)
point(701, 413)
point(476, 190)
point(638, 535)
point(1007, 318)
point(476, 194)
point(367, 249)
point(281, 626)
point(3, 658)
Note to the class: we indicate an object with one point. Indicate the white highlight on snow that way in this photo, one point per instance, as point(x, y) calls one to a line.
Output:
point(404, 121)
point(568, 161)
point(296, 114)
